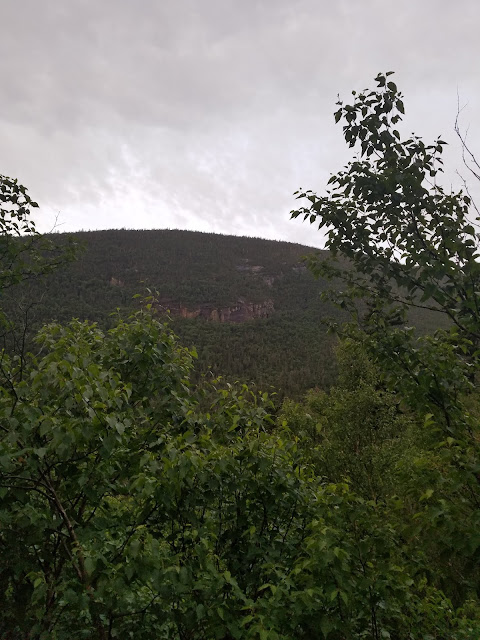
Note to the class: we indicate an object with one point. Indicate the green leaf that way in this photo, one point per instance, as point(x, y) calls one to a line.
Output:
point(90, 564)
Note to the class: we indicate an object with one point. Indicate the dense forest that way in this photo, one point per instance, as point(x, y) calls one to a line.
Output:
point(139, 499)
point(250, 307)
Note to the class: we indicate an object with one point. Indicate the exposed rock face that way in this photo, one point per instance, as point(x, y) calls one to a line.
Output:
point(186, 313)
point(300, 268)
point(240, 312)
point(256, 268)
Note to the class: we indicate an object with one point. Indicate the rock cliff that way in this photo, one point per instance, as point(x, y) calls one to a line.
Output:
point(239, 312)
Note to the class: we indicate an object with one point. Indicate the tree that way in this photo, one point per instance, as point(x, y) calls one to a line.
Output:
point(398, 242)
point(25, 254)
point(122, 505)
point(131, 509)
point(355, 432)
point(409, 244)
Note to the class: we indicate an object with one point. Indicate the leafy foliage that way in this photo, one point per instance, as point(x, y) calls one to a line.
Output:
point(411, 245)
point(356, 432)
point(128, 507)
point(35, 254)
point(24, 255)
point(398, 241)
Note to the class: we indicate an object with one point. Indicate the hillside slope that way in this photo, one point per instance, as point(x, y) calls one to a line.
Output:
point(249, 306)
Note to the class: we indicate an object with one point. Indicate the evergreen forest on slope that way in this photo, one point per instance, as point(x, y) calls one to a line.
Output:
point(259, 308)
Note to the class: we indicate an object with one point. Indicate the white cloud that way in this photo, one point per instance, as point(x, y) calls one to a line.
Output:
point(208, 115)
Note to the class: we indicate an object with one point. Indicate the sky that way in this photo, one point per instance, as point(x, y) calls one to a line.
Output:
point(209, 114)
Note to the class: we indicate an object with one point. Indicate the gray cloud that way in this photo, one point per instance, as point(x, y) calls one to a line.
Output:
point(208, 115)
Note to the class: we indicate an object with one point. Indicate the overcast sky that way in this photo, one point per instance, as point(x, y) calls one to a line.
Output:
point(209, 114)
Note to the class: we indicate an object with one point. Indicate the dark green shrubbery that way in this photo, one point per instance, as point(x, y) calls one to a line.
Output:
point(130, 511)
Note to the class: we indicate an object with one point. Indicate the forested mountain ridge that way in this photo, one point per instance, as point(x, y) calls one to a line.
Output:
point(188, 269)
point(249, 306)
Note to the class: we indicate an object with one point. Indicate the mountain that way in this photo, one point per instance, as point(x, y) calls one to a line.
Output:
point(249, 306)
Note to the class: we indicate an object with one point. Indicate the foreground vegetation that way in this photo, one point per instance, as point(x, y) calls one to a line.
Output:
point(138, 504)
